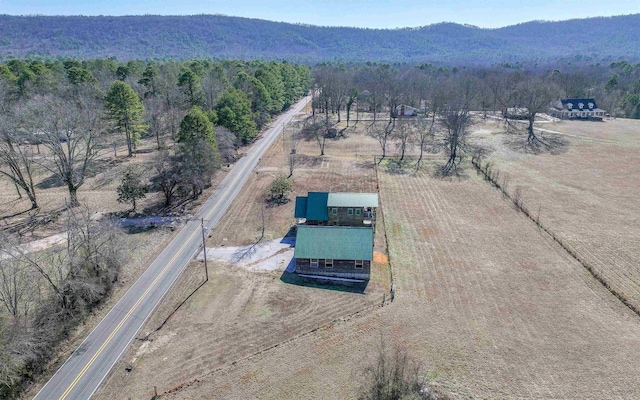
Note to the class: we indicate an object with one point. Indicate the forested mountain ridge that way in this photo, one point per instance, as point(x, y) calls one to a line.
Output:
point(215, 36)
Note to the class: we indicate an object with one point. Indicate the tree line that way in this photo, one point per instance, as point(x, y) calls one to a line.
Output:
point(446, 101)
point(76, 110)
point(62, 119)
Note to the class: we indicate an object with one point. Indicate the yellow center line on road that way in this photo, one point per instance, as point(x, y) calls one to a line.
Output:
point(146, 292)
point(106, 342)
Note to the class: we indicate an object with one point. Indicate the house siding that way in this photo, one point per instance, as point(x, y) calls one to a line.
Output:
point(342, 217)
point(341, 269)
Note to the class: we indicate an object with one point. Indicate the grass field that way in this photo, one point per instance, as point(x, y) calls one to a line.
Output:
point(490, 305)
point(589, 196)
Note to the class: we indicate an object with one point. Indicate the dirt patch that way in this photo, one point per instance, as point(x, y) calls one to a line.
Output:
point(380, 257)
point(273, 255)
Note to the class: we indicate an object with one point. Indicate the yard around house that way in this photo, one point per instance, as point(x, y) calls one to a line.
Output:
point(489, 304)
point(242, 312)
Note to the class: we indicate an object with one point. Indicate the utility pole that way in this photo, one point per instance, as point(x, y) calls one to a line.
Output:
point(204, 248)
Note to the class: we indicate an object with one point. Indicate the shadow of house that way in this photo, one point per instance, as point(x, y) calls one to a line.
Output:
point(289, 276)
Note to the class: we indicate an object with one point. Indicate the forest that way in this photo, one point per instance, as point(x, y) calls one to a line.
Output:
point(62, 119)
point(593, 40)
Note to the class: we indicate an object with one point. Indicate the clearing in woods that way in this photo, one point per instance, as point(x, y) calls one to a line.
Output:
point(488, 303)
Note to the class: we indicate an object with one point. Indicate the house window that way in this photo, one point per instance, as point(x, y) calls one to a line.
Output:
point(314, 262)
point(359, 264)
point(358, 211)
point(350, 211)
point(334, 211)
point(328, 263)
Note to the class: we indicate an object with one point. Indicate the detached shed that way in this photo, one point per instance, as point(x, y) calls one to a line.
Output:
point(334, 251)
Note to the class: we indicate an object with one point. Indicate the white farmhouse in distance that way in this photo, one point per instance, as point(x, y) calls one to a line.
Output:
point(585, 109)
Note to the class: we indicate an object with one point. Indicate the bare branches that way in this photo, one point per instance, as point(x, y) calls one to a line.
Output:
point(456, 120)
point(404, 134)
point(16, 155)
point(317, 130)
point(381, 131)
point(71, 132)
point(45, 294)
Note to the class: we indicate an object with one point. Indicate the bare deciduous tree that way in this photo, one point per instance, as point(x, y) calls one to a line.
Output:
point(455, 119)
point(382, 131)
point(166, 178)
point(17, 290)
point(533, 95)
point(293, 139)
point(425, 134)
point(71, 132)
point(404, 134)
point(317, 130)
point(17, 156)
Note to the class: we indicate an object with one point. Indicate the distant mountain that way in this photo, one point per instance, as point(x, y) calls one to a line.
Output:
point(215, 36)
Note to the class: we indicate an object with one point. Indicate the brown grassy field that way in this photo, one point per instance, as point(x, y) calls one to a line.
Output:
point(489, 304)
point(589, 196)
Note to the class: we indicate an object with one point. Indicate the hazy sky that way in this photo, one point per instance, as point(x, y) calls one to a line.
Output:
point(361, 13)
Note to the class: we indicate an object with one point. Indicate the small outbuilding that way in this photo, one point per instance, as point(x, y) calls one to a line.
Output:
point(516, 113)
point(334, 252)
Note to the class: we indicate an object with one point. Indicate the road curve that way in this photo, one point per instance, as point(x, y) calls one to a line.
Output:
point(80, 376)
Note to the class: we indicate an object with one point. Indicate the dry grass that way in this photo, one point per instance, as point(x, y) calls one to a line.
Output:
point(588, 197)
point(240, 314)
point(98, 193)
point(491, 306)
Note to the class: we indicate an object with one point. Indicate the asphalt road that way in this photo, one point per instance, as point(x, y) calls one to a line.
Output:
point(80, 376)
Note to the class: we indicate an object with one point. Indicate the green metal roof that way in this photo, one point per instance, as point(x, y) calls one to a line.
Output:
point(317, 206)
point(301, 207)
point(352, 200)
point(334, 242)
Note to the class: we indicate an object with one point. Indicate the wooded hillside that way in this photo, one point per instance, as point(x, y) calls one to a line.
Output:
point(215, 36)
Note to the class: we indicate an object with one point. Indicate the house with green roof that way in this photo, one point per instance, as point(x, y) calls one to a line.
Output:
point(341, 209)
point(334, 252)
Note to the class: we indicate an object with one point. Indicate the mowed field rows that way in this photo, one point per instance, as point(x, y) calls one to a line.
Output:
point(507, 312)
point(490, 306)
point(589, 196)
